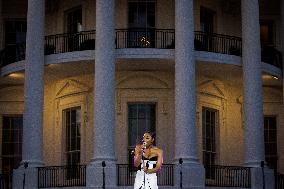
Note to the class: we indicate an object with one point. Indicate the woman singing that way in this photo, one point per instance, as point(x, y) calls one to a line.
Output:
point(148, 158)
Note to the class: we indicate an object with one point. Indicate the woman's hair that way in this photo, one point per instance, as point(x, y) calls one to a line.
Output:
point(153, 135)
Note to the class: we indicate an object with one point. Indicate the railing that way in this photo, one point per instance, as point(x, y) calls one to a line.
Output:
point(279, 181)
point(140, 38)
point(227, 176)
point(212, 42)
point(5, 181)
point(271, 55)
point(126, 175)
point(12, 53)
point(62, 176)
point(145, 38)
point(69, 42)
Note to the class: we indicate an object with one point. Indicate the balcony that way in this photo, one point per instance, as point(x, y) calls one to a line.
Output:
point(228, 176)
point(62, 176)
point(140, 38)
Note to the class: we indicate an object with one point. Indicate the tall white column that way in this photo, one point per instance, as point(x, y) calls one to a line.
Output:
point(104, 109)
point(185, 101)
point(252, 83)
point(33, 96)
point(34, 68)
point(252, 92)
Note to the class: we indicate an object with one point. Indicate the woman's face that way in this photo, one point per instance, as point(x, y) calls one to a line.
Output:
point(148, 138)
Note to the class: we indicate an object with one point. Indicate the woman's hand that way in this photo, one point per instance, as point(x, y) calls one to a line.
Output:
point(146, 170)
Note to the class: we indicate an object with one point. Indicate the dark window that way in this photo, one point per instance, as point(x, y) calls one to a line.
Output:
point(74, 19)
point(270, 141)
point(141, 23)
point(15, 39)
point(15, 32)
point(12, 142)
point(206, 20)
point(141, 118)
point(141, 14)
point(209, 124)
point(72, 123)
point(73, 26)
point(266, 33)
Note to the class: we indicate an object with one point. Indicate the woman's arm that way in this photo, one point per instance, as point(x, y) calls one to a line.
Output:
point(138, 155)
point(159, 163)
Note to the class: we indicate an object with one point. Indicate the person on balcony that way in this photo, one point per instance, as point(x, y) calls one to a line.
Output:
point(148, 158)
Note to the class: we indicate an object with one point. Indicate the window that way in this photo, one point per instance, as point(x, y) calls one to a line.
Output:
point(72, 123)
point(12, 142)
point(207, 20)
point(270, 141)
point(74, 20)
point(73, 26)
point(141, 14)
point(141, 23)
point(141, 118)
point(209, 124)
point(15, 39)
point(266, 33)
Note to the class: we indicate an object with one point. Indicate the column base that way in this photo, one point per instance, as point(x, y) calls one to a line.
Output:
point(257, 175)
point(193, 176)
point(27, 177)
point(95, 174)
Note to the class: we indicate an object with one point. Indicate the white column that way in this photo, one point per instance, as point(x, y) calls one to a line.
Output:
point(34, 68)
point(185, 101)
point(104, 109)
point(252, 83)
point(252, 91)
point(33, 96)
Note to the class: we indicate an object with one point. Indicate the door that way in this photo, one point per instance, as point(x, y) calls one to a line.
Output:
point(141, 118)
point(141, 23)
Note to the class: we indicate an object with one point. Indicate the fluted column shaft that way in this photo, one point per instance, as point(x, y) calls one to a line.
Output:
point(104, 113)
point(34, 84)
point(252, 84)
point(185, 133)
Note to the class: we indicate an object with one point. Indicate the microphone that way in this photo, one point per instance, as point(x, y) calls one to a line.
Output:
point(144, 145)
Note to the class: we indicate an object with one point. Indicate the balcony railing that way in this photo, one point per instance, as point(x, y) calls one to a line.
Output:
point(126, 175)
point(140, 38)
point(279, 181)
point(228, 176)
point(62, 176)
point(212, 42)
point(12, 53)
point(69, 42)
point(5, 181)
point(145, 38)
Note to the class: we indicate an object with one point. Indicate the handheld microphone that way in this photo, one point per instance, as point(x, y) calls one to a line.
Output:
point(144, 145)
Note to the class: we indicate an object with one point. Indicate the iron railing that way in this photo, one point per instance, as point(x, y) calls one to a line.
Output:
point(12, 53)
point(145, 38)
point(218, 43)
point(279, 181)
point(227, 176)
point(126, 175)
point(69, 42)
point(62, 176)
point(140, 38)
point(6, 181)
